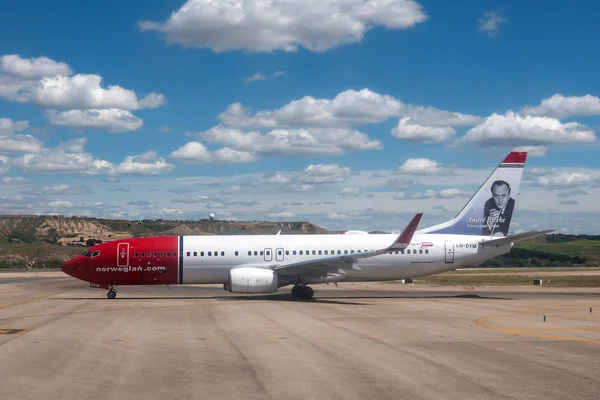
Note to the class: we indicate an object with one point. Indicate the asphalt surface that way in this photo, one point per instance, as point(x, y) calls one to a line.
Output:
point(358, 341)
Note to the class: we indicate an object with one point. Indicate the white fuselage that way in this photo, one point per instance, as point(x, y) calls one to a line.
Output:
point(427, 254)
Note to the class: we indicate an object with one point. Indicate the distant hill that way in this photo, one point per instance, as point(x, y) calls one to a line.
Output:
point(59, 229)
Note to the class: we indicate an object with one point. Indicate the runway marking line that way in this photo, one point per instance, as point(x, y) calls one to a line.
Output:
point(9, 331)
point(485, 323)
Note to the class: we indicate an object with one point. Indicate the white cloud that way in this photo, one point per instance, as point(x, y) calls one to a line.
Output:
point(350, 107)
point(349, 191)
point(32, 68)
point(78, 101)
point(259, 76)
point(63, 189)
point(73, 146)
point(14, 180)
point(297, 187)
point(398, 183)
point(148, 163)
point(407, 130)
point(534, 151)
point(11, 142)
point(324, 173)
point(565, 179)
point(573, 192)
point(431, 116)
point(312, 141)
point(171, 211)
point(197, 153)
point(231, 189)
point(4, 164)
point(282, 215)
point(60, 204)
point(82, 91)
point(275, 178)
point(112, 120)
point(53, 161)
point(432, 194)
point(569, 202)
point(490, 23)
point(514, 129)
point(423, 166)
point(559, 106)
point(265, 26)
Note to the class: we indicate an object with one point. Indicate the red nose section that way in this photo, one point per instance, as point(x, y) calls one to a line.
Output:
point(70, 267)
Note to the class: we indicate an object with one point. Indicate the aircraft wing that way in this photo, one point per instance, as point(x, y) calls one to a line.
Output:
point(346, 261)
point(514, 238)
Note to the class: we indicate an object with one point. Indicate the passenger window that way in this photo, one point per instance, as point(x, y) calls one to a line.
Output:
point(195, 254)
point(301, 252)
point(294, 252)
point(155, 254)
point(262, 253)
point(223, 253)
point(236, 253)
point(249, 253)
point(216, 253)
point(209, 253)
point(268, 253)
point(143, 254)
point(420, 251)
point(352, 251)
point(136, 255)
point(188, 253)
point(162, 253)
point(287, 252)
point(279, 252)
point(201, 254)
point(168, 254)
point(345, 251)
point(325, 252)
point(255, 252)
point(426, 251)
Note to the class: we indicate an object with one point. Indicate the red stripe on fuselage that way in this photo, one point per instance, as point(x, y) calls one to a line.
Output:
point(148, 261)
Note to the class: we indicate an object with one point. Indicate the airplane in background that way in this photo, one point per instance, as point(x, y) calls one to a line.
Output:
point(264, 263)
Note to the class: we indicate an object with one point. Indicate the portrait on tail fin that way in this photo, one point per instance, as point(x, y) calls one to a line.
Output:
point(498, 210)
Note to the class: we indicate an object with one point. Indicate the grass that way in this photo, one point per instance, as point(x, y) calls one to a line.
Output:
point(589, 249)
point(471, 271)
point(511, 277)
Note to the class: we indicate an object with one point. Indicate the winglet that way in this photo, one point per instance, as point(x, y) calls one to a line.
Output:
point(405, 237)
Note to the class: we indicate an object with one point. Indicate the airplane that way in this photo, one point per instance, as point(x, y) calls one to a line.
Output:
point(253, 264)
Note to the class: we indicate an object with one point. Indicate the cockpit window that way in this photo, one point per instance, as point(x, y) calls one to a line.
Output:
point(87, 253)
point(96, 253)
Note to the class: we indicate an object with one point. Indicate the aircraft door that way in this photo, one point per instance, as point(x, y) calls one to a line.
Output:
point(279, 254)
point(123, 255)
point(268, 255)
point(449, 245)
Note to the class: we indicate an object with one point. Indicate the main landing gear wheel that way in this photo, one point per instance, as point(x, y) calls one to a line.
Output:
point(111, 294)
point(302, 292)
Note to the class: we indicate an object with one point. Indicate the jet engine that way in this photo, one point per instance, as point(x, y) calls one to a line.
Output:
point(252, 280)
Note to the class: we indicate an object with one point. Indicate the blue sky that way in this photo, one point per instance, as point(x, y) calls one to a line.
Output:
point(454, 85)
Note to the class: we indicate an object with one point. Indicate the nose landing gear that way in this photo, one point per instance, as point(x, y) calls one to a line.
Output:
point(112, 293)
point(302, 292)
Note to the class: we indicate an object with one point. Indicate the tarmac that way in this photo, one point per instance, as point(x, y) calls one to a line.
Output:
point(60, 339)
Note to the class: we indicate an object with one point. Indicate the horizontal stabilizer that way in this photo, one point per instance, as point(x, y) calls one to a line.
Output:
point(515, 238)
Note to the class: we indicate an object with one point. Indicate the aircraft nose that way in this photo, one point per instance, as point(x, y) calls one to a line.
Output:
point(69, 267)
